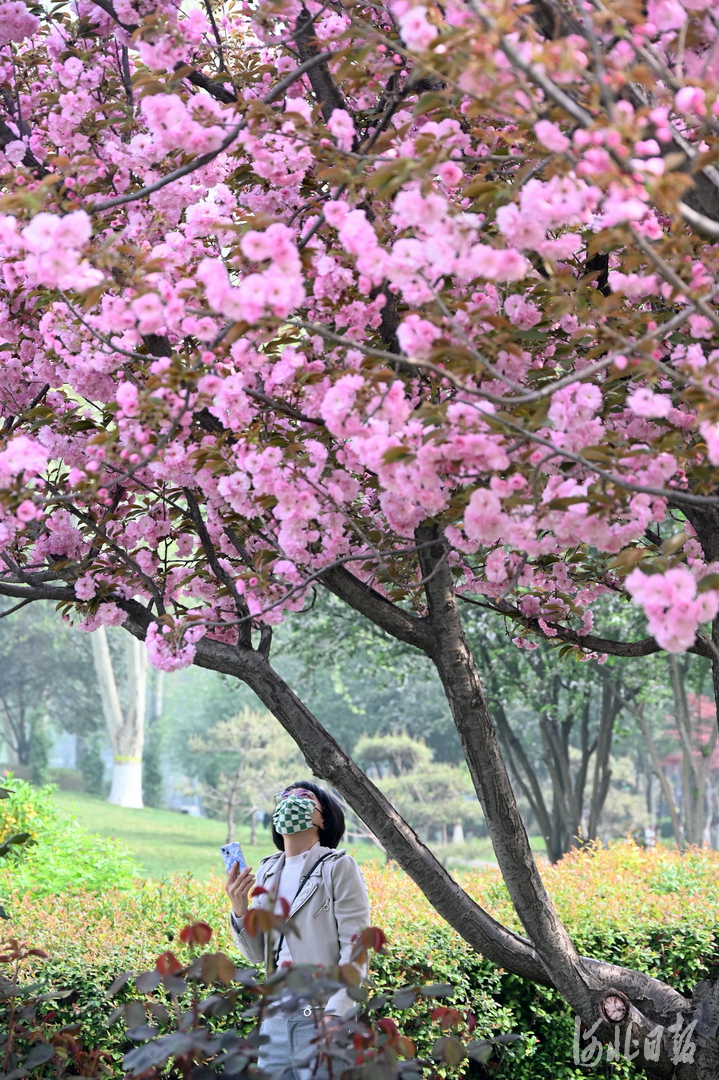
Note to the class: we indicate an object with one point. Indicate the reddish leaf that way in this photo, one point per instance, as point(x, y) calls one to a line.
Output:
point(258, 890)
point(447, 1018)
point(258, 921)
point(471, 1022)
point(373, 938)
point(198, 933)
point(406, 1047)
point(168, 964)
point(216, 967)
point(284, 905)
point(388, 1027)
point(449, 1050)
point(39, 952)
point(349, 974)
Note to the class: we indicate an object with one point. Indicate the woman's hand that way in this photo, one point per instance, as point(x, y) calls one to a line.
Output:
point(238, 887)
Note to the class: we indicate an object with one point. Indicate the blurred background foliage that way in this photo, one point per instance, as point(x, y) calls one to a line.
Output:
point(577, 755)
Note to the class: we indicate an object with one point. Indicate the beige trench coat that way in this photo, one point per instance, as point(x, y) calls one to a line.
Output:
point(328, 914)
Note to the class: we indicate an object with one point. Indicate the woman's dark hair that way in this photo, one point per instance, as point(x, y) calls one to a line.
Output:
point(334, 820)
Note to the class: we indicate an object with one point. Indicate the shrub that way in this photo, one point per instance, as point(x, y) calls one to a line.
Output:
point(64, 856)
point(656, 911)
point(67, 779)
point(92, 767)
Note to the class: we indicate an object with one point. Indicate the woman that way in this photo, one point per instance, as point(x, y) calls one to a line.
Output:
point(328, 904)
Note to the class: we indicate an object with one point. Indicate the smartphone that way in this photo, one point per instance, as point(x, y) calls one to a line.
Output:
point(232, 853)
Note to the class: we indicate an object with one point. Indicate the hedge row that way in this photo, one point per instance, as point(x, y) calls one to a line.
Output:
point(654, 911)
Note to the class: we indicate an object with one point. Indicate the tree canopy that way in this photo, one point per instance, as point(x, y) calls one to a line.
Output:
point(412, 303)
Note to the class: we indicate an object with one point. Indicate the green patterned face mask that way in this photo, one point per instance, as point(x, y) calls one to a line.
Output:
point(293, 815)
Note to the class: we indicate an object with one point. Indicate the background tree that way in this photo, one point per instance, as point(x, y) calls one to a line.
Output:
point(436, 798)
point(153, 793)
point(250, 758)
point(125, 726)
point(46, 679)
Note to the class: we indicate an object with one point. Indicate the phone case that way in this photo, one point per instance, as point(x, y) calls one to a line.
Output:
point(232, 853)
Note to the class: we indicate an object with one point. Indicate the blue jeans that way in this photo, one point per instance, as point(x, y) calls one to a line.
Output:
point(288, 1055)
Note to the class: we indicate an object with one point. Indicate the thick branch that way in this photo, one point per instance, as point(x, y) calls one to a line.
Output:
point(377, 608)
point(455, 665)
point(328, 94)
point(37, 592)
point(645, 647)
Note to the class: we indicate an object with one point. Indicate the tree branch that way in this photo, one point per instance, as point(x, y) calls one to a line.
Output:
point(204, 159)
point(377, 608)
point(244, 628)
point(646, 647)
point(323, 85)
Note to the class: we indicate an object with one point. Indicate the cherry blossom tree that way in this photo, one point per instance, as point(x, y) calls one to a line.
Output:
point(412, 303)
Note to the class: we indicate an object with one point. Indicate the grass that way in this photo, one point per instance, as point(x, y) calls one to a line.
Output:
point(164, 842)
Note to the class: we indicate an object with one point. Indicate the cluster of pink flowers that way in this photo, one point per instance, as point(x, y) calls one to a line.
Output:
point(167, 651)
point(16, 22)
point(331, 331)
point(52, 245)
point(673, 606)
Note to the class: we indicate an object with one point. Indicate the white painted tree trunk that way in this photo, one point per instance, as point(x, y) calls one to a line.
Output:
point(127, 733)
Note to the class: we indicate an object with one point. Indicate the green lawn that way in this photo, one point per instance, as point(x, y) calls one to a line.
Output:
point(164, 842)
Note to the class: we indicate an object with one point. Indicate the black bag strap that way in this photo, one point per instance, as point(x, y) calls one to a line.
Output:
point(300, 887)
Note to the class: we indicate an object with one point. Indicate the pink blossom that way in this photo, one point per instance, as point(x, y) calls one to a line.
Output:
point(15, 150)
point(701, 327)
point(54, 244)
point(520, 228)
point(635, 286)
point(85, 587)
point(690, 100)
point(449, 173)
point(484, 520)
point(522, 313)
point(416, 336)
point(335, 212)
point(672, 605)
point(168, 651)
point(126, 398)
point(22, 454)
point(356, 234)
point(666, 14)
point(16, 22)
point(341, 125)
point(28, 511)
point(710, 433)
point(149, 311)
point(498, 264)
point(417, 33)
point(645, 402)
point(551, 136)
point(338, 403)
point(108, 614)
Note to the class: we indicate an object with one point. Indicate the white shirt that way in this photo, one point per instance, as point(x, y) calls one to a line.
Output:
point(290, 879)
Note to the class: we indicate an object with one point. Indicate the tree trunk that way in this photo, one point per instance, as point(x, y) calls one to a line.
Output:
point(602, 770)
point(127, 733)
point(659, 772)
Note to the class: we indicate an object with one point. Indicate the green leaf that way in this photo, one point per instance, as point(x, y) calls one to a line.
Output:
point(437, 990)
point(709, 581)
point(449, 1050)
